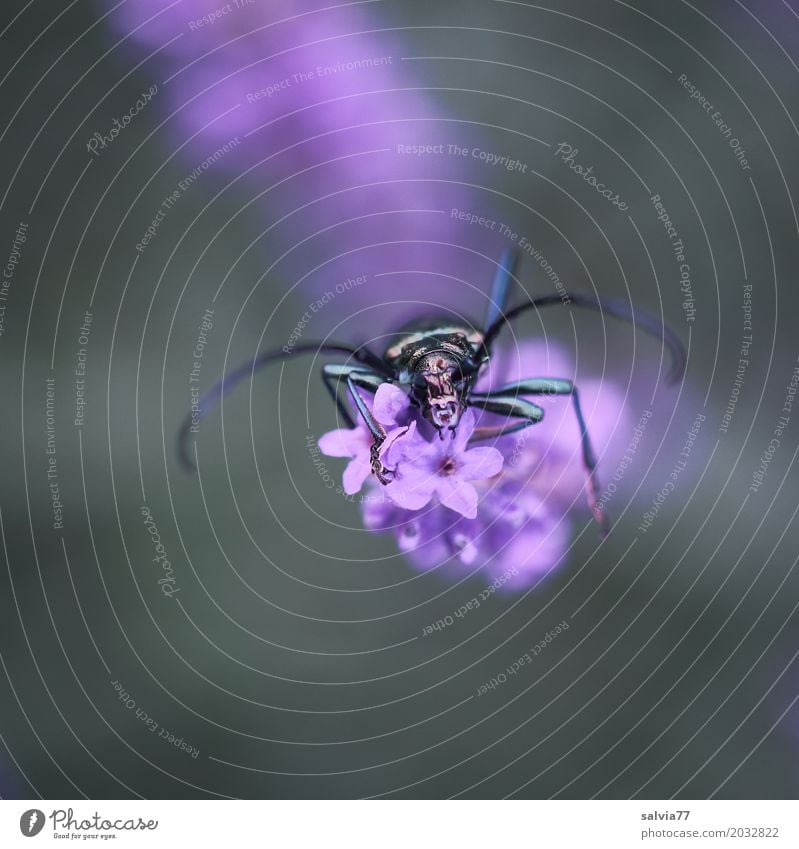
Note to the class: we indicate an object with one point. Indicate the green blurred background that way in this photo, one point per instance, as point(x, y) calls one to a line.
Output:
point(294, 662)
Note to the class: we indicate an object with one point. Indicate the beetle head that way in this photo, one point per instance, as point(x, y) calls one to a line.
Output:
point(440, 390)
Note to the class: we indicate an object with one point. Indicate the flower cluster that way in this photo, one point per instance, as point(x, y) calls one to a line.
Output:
point(458, 506)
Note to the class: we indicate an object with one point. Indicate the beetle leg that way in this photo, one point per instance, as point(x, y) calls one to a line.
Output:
point(377, 430)
point(558, 386)
point(360, 377)
point(365, 377)
point(244, 372)
point(384, 475)
point(507, 405)
point(618, 308)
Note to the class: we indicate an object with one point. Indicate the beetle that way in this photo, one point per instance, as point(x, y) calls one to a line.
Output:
point(439, 361)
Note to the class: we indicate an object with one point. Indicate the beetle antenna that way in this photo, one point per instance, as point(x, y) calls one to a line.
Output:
point(247, 371)
point(616, 307)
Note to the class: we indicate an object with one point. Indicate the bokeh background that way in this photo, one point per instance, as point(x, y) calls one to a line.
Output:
point(294, 657)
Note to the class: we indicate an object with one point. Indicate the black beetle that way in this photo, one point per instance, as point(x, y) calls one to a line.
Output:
point(440, 361)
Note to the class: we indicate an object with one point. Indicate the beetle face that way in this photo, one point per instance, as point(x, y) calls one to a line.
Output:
point(440, 398)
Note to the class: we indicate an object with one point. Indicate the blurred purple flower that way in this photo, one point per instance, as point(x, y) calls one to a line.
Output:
point(322, 105)
point(504, 509)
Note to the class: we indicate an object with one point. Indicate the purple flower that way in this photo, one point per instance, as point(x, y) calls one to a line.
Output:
point(547, 458)
point(517, 541)
point(356, 443)
point(314, 102)
point(504, 509)
point(442, 467)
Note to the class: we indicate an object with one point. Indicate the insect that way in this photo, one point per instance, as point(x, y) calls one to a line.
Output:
point(440, 361)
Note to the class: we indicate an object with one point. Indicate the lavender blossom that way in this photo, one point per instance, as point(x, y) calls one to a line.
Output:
point(441, 467)
point(314, 102)
point(505, 509)
point(356, 443)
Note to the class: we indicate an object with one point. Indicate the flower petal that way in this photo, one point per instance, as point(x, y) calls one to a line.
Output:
point(535, 551)
point(409, 499)
point(458, 495)
point(389, 402)
point(409, 535)
point(465, 547)
point(394, 443)
point(463, 432)
point(414, 453)
point(344, 442)
point(355, 474)
point(479, 463)
point(379, 512)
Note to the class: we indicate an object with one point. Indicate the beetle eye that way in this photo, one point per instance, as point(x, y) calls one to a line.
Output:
point(467, 368)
